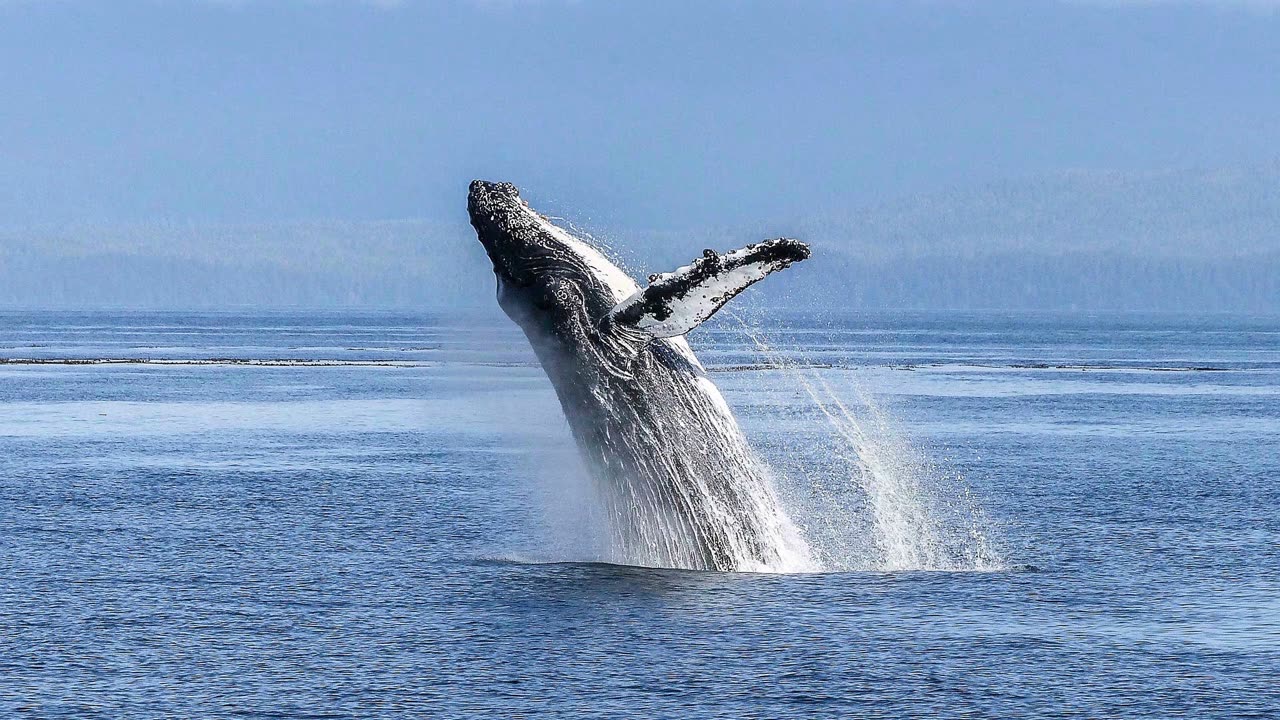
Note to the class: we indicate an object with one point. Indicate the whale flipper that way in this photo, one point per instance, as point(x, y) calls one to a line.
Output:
point(676, 302)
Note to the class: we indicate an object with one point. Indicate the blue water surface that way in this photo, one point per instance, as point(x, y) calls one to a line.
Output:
point(361, 515)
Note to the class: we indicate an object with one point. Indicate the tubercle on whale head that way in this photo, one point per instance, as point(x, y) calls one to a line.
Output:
point(496, 212)
point(546, 277)
point(483, 195)
point(526, 249)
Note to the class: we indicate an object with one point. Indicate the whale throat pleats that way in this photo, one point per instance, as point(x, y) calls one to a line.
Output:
point(676, 302)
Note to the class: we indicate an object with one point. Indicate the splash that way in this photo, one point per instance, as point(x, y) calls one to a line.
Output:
point(706, 501)
point(848, 492)
point(668, 483)
point(866, 497)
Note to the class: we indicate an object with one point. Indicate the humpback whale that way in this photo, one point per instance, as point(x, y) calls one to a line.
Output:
point(680, 485)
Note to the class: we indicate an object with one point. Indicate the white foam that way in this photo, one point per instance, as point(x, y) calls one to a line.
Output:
point(913, 514)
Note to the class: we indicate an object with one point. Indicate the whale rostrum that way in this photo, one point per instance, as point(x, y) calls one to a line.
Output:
point(679, 485)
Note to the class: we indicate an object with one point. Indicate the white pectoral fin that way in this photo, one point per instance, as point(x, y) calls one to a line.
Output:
point(676, 302)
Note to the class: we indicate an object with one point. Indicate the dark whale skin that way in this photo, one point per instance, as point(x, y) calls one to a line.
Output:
point(681, 486)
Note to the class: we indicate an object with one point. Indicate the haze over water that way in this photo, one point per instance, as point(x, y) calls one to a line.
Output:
point(386, 533)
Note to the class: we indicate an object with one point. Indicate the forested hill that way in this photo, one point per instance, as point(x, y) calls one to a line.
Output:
point(1187, 241)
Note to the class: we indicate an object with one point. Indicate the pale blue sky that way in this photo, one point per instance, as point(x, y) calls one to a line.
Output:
point(633, 114)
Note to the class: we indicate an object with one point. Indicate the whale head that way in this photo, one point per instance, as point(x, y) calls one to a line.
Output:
point(547, 278)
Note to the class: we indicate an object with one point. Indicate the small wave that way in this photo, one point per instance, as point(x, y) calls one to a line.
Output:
point(621, 567)
point(749, 367)
point(1096, 367)
point(1151, 368)
point(252, 362)
point(528, 561)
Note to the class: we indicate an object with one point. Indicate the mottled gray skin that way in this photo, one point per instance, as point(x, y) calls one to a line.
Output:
point(654, 432)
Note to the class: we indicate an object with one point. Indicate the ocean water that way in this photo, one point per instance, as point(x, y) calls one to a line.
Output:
point(306, 515)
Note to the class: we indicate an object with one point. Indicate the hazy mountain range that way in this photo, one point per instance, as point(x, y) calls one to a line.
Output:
point(1174, 241)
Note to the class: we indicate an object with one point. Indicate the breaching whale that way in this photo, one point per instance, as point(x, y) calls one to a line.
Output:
point(681, 486)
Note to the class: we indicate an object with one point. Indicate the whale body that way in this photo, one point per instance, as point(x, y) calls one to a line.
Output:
point(680, 485)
